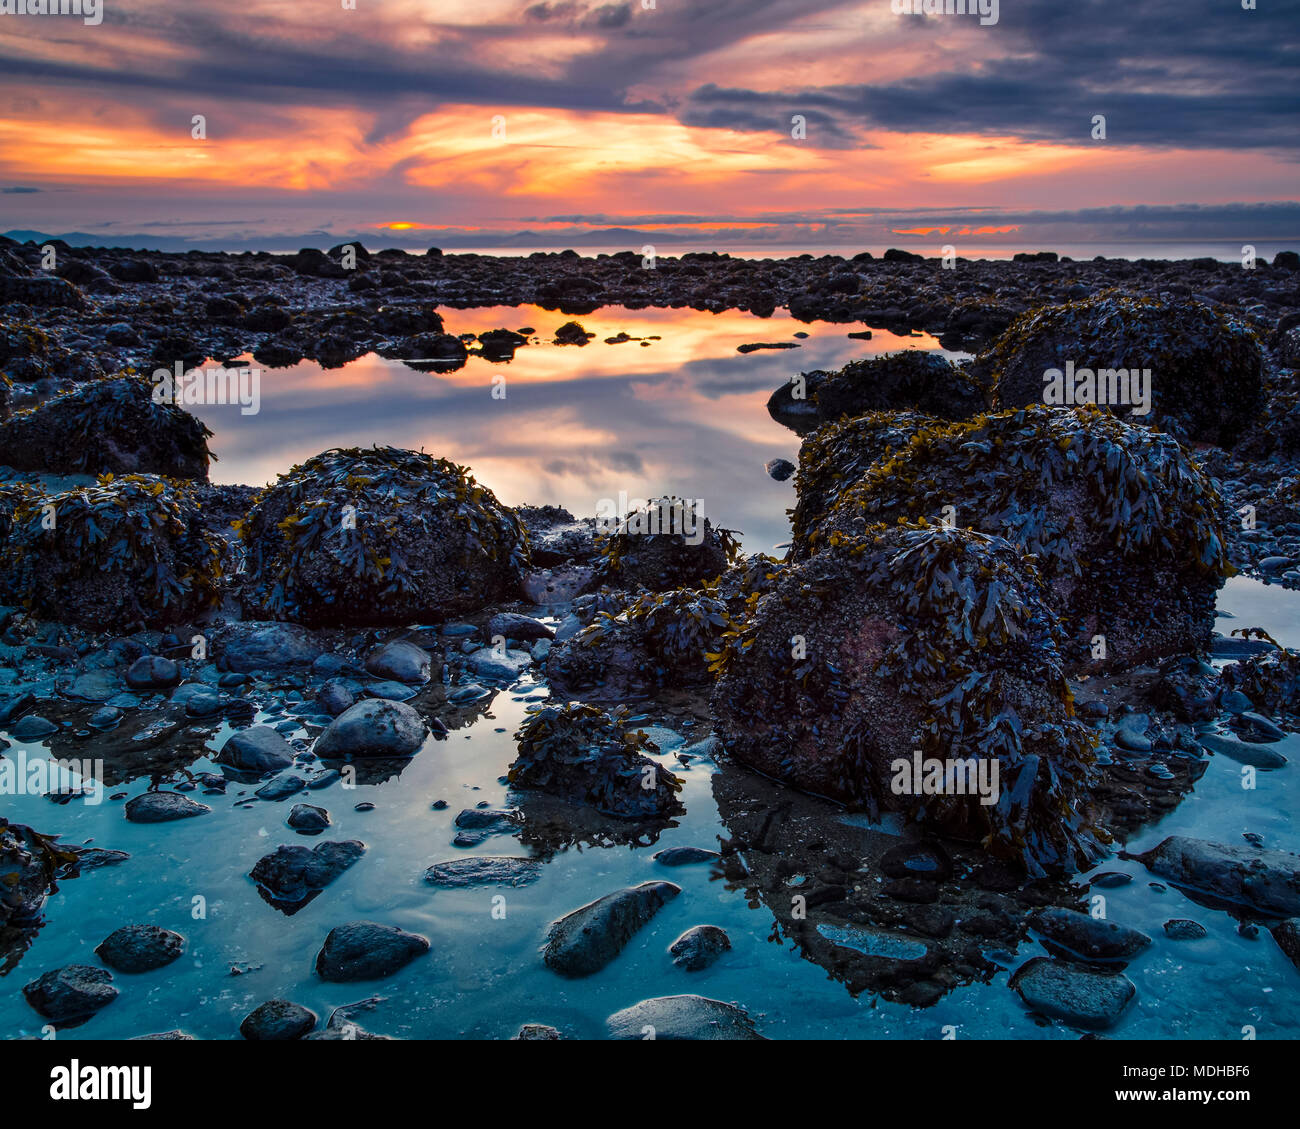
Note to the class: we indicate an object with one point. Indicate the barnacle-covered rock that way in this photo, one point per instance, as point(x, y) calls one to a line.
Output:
point(894, 382)
point(107, 427)
point(666, 544)
point(1207, 367)
point(122, 552)
point(583, 753)
point(379, 536)
point(1125, 528)
point(913, 642)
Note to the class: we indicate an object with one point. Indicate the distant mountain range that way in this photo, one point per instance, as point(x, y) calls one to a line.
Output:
point(624, 238)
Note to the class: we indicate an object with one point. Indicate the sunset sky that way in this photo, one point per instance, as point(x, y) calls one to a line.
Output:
point(463, 122)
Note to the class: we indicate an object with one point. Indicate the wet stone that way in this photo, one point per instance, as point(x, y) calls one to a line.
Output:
point(682, 1018)
point(140, 948)
point(483, 870)
point(1080, 997)
point(1181, 929)
point(684, 856)
point(277, 1021)
point(71, 994)
point(366, 950)
point(163, 807)
point(699, 947)
point(586, 940)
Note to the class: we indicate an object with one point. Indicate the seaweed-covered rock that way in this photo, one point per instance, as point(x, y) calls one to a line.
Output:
point(838, 454)
point(894, 382)
point(122, 552)
point(108, 426)
point(658, 638)
point(1206, 366)
point(908, 650)
point(29, 863)
point(1124, 526)
point(666, 544)
point(379, 536)
point(584, 754)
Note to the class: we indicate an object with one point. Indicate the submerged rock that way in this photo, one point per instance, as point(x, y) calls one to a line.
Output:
point(1206, 366)
point(1086, 937)
point(1107, 508)
point(277, 1021)
point(140, 948)
point(163, 807)
point(1267, 881)
point(294, 873)
point(581, 753)
point(682, 1018)
point(699, 947)
point(684, 856)
point(1094, 1000)
point(586, 940)
point(483, 870)
point(365, 950)
point(916, 669)
point(71, 994)
point(379, 536)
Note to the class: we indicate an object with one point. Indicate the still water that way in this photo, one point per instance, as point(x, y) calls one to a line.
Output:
point(684, 414)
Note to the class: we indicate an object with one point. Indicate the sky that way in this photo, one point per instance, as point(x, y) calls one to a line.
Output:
point(760, 123)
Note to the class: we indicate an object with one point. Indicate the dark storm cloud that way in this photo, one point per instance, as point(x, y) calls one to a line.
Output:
point(1164, 73)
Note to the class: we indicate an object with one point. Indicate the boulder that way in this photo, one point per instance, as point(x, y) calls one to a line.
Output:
point(256, 749)
point(903, 653)
point(1106, 507)
point(1206, 365)
point(122, 552)
point(140, 948)
point(912, 380)
point(1262, 880)
point(277, 1021)
point(667, 544)
point(1079, 996)
point(375, 727)
point(72, 994)
point(379, 536)
point(108, 426)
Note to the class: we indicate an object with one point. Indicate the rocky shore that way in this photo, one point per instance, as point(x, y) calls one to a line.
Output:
point(1025, 591)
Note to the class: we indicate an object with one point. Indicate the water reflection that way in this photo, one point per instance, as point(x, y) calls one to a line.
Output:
point(684, 414)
